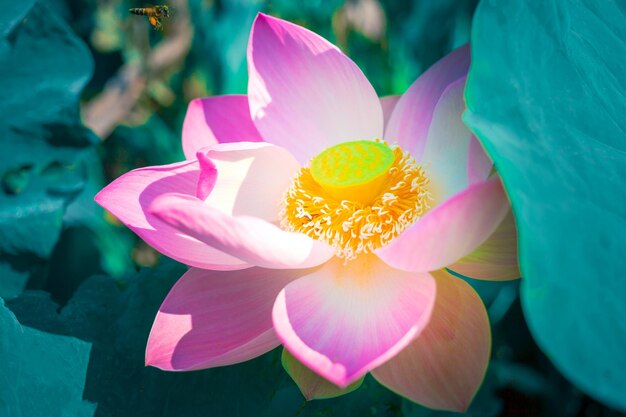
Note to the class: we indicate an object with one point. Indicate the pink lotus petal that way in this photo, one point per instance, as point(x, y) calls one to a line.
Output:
point(344, 319)
point(388, 103)
point(496, 258)
point(129, 197)
point(214, 120)
point(251, 178)
point(443, 368)
point(450, 231)
point(212, 318)
point(304, 93)
point(412, 115)
point(207, 177)
point(249, 238)
point(479, 165)
point(447, 145)
point(311, 385)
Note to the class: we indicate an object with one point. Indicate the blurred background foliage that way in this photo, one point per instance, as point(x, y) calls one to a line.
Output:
point(90, 92)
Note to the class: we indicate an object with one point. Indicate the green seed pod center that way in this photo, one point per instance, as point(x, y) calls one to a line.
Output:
point(351, 164)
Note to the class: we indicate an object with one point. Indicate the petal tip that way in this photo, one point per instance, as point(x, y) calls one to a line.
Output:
point(102, 196)
point(261, 15)
point(151, 356)
point(151, 359)
point(461, 407)
point(108, 200)
point(194, 102)
point(268, 18)
point(98, 197)
point(262, 19)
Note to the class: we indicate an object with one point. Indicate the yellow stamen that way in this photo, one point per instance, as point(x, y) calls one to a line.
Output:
point(358, 208)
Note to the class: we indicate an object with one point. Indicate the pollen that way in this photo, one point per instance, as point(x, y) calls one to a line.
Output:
point(356, 196)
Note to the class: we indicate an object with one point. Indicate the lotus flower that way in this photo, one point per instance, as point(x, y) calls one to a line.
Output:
point(314, 215)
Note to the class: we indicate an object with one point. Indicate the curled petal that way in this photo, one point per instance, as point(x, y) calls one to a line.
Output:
point(344, 319)
point(250, 178)
point(214, 120)
point(207, 177)
point(129, 197)
point(213, 318)
point(412, 115)
point(249, 238)
point(451, 230)
point(495, 259)
point(304, 93)
point(311, 384)
point(446, 151)
point(443, 368)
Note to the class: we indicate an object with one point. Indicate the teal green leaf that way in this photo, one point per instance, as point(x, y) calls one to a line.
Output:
point(546, 96)
point(220, 42)
point(421, 33)
point(41, 374)
point(117, 321)
point(87, 220)
point(43, 67)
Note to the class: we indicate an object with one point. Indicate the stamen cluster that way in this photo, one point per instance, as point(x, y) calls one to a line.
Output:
point(354, 227)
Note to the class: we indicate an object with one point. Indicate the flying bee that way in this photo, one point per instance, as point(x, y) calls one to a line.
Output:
point(155, 14)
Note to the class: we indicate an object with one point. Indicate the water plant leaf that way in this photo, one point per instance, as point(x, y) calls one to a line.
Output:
point(546, 98)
